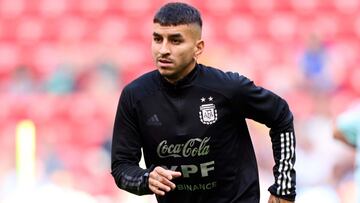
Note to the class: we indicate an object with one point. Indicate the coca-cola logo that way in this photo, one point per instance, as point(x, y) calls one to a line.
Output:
point(191, 148)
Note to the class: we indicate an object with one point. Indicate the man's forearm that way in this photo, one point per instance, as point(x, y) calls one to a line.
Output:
point(284, 172)
point(132, 178)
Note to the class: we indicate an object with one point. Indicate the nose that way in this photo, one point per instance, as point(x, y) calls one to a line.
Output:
point(164, 49)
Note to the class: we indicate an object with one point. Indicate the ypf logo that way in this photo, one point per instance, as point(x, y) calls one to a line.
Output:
point(208, 112)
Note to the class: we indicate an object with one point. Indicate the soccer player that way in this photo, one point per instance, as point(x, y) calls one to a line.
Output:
point(189, 119)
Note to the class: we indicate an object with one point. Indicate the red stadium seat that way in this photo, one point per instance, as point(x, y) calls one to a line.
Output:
point(73, 28)
point(262, 7)
point(219, 7)
point(94, 8)
point(112, 30)
point(282, 27)
point(305, 6)
point(348, 6)
point(240, 28)
point(356, 26)
point(11, 9)
point(29, 30)
point(10, 52)
point(53, 9)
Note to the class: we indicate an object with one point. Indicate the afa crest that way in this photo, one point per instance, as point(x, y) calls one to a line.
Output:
point(208, 114)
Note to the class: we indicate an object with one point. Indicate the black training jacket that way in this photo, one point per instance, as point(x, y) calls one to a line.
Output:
point(197, 127)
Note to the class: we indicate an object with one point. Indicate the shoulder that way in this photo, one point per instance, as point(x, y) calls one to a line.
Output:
point(217, 78)
point(144, 85)
point(147, 80)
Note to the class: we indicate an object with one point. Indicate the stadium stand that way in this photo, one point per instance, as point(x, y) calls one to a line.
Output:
point(63, 64)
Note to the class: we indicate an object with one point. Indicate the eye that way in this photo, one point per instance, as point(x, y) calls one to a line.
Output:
point(176, 41)
point(157, 39)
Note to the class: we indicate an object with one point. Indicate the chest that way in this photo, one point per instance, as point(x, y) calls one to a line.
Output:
point(182, 115)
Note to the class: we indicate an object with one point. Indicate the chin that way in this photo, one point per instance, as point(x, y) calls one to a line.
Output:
point(165, 70)
point(168, 74)
point(165, 73)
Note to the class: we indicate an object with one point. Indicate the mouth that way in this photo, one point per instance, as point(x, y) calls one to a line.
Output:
point(164, 62)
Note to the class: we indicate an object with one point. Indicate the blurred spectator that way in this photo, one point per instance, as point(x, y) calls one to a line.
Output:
point(103, 78)
point(313, 63)
point(347, 130)
point(22, 81)
point(61, 81)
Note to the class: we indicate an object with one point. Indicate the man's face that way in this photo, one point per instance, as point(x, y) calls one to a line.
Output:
point(175, 49)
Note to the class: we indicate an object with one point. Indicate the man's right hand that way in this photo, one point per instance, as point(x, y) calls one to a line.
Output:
point(160, 180)
point(274, 199)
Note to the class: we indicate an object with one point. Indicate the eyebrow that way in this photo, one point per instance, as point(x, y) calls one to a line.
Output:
point(176, 35)
point(156, 34)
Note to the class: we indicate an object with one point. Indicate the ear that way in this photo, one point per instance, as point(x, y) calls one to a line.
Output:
point(199, 48)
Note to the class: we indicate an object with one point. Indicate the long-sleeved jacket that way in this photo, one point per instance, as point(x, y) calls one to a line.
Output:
point(197, 126)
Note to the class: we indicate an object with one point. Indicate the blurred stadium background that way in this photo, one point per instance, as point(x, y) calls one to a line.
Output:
point(63, 64)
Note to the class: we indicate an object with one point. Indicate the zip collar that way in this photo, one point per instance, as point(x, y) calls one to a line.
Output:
point(182, 83)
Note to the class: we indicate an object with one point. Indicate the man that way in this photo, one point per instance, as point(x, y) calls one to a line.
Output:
point(189, 119)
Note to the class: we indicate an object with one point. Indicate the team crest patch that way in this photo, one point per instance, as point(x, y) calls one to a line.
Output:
point(208, 112)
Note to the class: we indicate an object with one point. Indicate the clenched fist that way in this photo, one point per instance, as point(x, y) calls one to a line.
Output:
point(273, 199)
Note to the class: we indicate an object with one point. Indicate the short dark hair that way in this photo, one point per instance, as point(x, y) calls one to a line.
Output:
point(177, 13)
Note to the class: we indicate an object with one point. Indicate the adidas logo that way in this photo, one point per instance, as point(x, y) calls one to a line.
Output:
point(153, 121)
